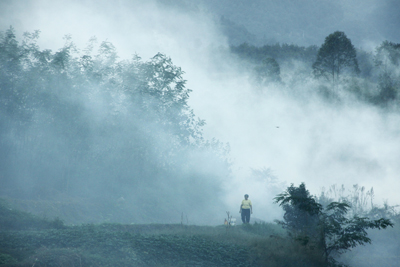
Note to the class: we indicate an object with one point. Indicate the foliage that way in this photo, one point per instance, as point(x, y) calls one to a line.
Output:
point(387, 211)
point(387, 52)
point(301, 210)
point(383, 251)
point(335, 55)
point(360, 199)
point(366, 64)
point(279, 52)
point(268, 71)
point(372, 77)
point(387, 59)
point(83, 124)
point(327, 230)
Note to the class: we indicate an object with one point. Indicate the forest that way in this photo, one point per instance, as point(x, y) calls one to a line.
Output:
point(102, 154)
point(125, 126)
point(369, 77)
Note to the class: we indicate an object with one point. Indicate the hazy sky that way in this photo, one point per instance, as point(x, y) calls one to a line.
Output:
point(308, 22)
point(301, 139)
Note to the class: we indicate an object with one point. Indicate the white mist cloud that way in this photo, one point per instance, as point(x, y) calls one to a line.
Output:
point(301, 139)
point(308, 141)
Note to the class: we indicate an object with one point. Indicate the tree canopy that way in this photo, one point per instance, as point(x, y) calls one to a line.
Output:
point(336, 55)
point(387, 59)
point(326, 229)
point(268, 71)
point(86, 124)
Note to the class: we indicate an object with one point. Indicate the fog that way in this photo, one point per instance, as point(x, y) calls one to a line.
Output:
point(307, 22)
point(285, 129)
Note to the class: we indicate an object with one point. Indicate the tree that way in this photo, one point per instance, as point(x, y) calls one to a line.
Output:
point(327, 229)
point(10, 71)
point(301, 210)
point(268, 71)
point(387, 59)
point(123, 126)
point(336, 55)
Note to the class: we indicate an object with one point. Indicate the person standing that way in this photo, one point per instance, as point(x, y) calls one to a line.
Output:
point(246, 209)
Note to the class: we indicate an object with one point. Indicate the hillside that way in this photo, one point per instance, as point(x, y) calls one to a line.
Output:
point(34, 241)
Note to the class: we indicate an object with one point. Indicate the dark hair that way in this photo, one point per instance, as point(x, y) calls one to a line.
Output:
point(246, 195)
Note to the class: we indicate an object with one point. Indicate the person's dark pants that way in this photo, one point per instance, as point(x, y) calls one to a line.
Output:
point(245, 215)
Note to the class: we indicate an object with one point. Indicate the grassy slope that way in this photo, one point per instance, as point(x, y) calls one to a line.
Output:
point(120, 245)
point(27, 240)
point(150, 245)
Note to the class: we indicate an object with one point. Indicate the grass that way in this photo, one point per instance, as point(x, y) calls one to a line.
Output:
point(122, 245)
point(27, 240)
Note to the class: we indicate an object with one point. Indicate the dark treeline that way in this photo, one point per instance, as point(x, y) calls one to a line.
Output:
point(81, 126)
point(280, 52)
point(370, 76)
point(305, 22)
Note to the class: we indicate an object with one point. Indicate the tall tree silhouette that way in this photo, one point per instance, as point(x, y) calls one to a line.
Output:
point(336, 55)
